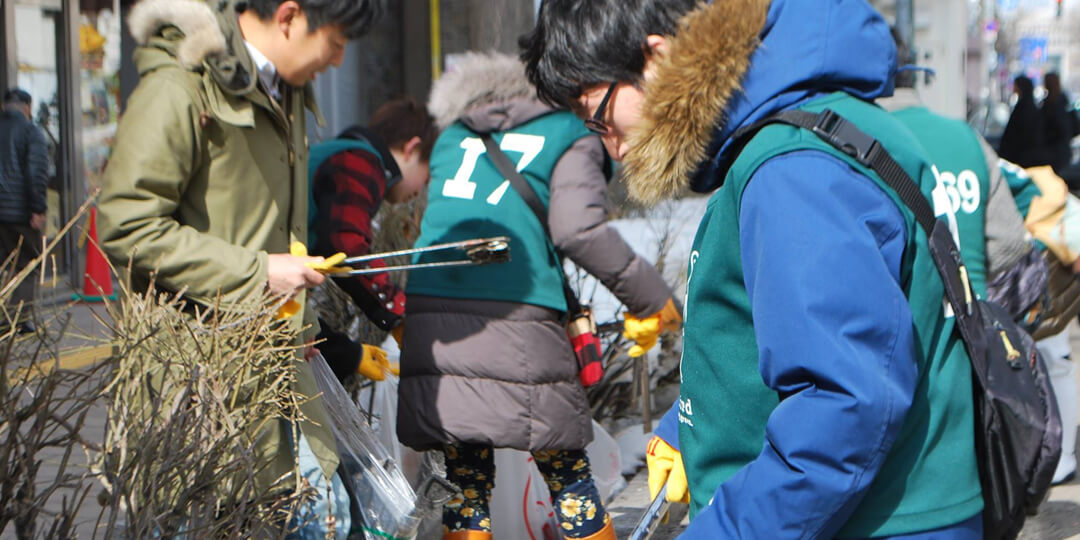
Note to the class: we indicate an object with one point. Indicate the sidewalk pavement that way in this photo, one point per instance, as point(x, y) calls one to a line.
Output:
point(1058, 517)
point(78, 336)
point(85, 343)
point(80, 330)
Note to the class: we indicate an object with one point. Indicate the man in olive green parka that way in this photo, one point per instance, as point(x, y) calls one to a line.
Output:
point(207, 185)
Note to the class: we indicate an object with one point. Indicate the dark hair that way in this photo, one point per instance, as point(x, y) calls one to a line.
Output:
point(397, 121)
point(17, 95)
point(354, 16)
point(1024, 87)
point(581, 43)
point(1052, 83)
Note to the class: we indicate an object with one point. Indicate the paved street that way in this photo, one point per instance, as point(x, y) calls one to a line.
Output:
point(82, 344)
point(1058, 520)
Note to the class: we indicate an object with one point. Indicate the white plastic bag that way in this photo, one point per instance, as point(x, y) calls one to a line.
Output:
point(521, 503)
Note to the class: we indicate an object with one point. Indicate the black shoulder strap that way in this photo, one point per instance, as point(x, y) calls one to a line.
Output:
point(508, 170)
point(849, 139)
point(528, 194)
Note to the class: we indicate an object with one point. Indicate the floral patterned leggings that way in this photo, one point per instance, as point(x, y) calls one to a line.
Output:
point(578, 507)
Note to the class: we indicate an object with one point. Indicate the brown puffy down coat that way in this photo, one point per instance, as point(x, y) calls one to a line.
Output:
point(503, 373)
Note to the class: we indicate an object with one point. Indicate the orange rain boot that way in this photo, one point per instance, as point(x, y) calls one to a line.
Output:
point(469, 535)
point(607, 533)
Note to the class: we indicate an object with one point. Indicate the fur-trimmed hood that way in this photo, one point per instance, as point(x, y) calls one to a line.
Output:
point(487, 92)
point(194, 19)
point(206, 36)
point(733, 62)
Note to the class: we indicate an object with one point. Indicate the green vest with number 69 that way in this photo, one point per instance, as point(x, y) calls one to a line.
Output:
point(960, 167)
point(469, 198)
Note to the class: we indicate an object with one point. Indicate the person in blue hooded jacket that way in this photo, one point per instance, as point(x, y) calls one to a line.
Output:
point(824, 392)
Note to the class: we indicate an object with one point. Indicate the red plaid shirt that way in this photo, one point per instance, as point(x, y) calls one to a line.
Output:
point(348, 188)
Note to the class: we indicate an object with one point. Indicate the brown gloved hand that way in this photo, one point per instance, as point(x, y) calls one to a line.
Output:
point(397, 332)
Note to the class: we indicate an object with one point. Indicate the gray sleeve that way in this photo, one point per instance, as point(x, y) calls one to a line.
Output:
point(37, 160)
point(1006, 238)
point(577, 215)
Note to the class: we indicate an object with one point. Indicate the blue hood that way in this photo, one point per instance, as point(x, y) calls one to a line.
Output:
point(803, 48)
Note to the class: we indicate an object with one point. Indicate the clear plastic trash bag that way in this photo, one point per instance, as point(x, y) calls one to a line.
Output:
point(382, 504)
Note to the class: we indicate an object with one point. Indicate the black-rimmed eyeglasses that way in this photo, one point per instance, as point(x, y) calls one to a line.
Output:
point(596, 124)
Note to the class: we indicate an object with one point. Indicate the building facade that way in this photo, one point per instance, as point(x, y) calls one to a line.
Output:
point(67, 55)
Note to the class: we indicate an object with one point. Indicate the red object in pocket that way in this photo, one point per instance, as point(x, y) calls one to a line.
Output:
point(586, 344)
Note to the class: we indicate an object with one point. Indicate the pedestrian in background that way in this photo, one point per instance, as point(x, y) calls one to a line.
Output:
point(1023, 141)
point(24, 176)
point(486, 362)
point(207, 186)
point(1057, 122)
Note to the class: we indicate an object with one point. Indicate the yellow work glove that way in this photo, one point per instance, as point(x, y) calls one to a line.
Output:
point(374, 365)
point(666, 467)
point(644, 332)
point(328, 264)
point(325, 266)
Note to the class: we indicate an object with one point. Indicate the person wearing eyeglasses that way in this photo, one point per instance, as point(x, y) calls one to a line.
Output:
point(486, 362)
point(824, 393)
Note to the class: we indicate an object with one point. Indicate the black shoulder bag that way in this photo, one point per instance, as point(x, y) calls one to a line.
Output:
point(580, 325)
point(1017, 427)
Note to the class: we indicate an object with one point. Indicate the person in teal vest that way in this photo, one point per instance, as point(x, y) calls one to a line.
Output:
point(824, 392)
point(486, 362)
point(351, 176)
point(991, 198)
point(988, 196)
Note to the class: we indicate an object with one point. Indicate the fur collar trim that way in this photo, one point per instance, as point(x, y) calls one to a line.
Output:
point(685, 101)
point(478, 79)
point(194, 18)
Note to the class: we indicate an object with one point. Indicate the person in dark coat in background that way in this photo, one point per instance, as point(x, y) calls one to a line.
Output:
point(1056, 123)
point(1022, 142)
point(24, 164)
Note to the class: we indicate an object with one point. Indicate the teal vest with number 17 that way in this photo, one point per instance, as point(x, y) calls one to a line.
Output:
point(469, 198)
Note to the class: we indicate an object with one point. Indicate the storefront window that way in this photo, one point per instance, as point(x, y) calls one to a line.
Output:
point(70, 64)
point(99, 83)
point(38, 26)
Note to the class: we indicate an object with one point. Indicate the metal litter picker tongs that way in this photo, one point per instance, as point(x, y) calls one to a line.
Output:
point(477, 251)
point(650, 520)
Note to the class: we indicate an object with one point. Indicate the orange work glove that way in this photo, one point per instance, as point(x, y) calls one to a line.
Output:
point(397, 332)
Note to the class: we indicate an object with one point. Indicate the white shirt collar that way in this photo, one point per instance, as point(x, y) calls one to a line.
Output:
point(266, 69)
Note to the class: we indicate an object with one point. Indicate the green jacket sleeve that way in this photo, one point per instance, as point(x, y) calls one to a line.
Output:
point(158, 150)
